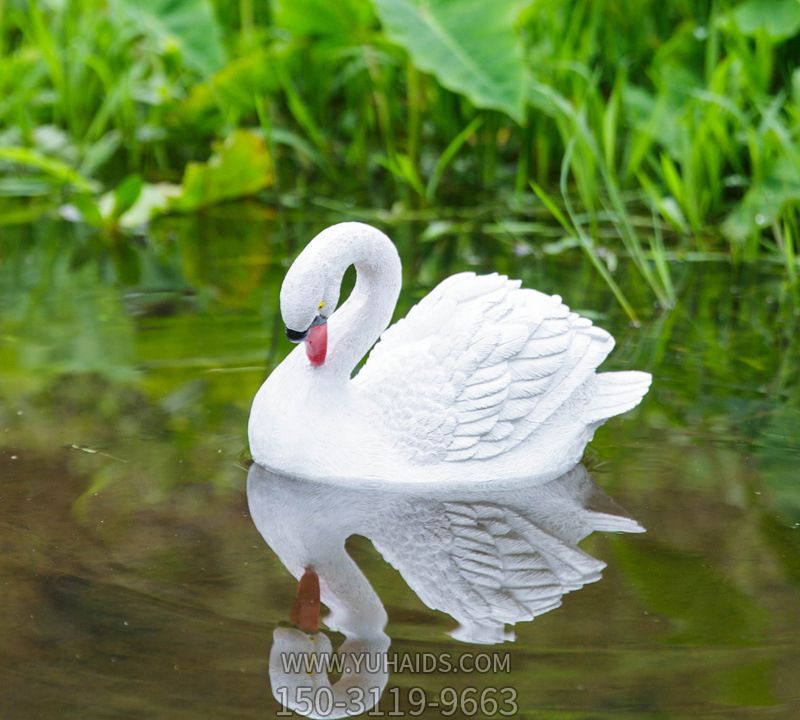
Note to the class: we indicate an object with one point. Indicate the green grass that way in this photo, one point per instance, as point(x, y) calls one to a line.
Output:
point(684, 114)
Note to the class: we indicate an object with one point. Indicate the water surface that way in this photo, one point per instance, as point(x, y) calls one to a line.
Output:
point(135, 584)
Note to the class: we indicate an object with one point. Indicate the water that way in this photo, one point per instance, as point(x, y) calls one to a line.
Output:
point(135, 583)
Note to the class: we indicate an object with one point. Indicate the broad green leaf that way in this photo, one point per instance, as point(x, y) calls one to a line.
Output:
point(778, 19)
point(240, 166)
point(186, 26)
point(132, 204)
point(85, 209)
point(154, 199)
point(471, 46)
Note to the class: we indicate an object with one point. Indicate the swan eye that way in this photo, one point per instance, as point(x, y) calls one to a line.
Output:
point(321, 305)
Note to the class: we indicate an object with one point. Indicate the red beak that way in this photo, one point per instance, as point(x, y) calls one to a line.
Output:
point(317, 344)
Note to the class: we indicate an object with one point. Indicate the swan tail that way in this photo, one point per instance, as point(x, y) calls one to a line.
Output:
point(614, 393)
point(615, 523)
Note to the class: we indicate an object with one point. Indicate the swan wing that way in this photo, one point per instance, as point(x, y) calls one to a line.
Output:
point(477, 366)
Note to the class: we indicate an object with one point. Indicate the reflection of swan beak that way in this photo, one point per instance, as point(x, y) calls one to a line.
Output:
point(305, 608)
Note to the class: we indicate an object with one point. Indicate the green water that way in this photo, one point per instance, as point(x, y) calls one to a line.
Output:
point(134, 583)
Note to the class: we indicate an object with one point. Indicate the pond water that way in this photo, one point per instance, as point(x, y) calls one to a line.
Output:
point(136, 584)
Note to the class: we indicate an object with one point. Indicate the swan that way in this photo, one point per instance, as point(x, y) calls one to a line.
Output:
point(481, 380)
point(487, 556)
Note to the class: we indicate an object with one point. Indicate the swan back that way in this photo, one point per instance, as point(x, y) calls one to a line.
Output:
point(480, 365)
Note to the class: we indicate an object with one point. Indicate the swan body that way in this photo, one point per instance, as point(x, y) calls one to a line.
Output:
point(482, 380)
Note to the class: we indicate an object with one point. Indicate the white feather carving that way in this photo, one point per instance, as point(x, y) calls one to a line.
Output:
point(494, 362)
point(482, 380)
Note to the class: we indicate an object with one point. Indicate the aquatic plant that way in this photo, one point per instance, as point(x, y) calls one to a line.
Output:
point(652, 134)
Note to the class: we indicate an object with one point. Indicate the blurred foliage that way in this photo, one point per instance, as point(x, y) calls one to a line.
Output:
point(672, 129)
point(186, 28)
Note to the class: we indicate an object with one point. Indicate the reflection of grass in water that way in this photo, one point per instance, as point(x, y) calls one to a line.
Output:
point(703, 607)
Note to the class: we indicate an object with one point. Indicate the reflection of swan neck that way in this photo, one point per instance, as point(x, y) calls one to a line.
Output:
point(366, 314)
point(356, 610)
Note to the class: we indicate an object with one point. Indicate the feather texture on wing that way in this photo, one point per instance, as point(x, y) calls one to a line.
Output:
point(488, 362)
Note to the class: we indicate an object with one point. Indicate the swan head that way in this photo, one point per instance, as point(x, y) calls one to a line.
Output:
point(308, 298)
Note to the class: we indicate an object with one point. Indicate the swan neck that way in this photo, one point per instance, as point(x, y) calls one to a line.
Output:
point(357, 324)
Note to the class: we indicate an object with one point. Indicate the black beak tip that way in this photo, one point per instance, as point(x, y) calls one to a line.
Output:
point(296, 336)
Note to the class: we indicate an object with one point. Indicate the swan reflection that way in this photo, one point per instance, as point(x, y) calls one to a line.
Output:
point(489, 556)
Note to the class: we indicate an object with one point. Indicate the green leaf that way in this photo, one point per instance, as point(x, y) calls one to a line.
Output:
point(403, 168)
point(240, 166)
point(55, 170)
point(322, 18)
point(234, 87)
point(187, 27)
point(778, 19)
point(89, 211)
point(132, 204)
point(448, 154)
point(471, 46)
point(126, 194)
point(153, 200)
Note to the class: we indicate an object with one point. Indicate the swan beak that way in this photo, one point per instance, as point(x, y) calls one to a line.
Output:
point(317, 344)
point(305, 608)
point(297, 336)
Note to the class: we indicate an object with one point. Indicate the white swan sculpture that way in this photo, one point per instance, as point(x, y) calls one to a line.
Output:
point(482, 380)
point(487, 556)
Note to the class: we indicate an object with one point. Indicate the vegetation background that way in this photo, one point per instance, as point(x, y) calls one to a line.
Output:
point(161, 163)
point(658, 131)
